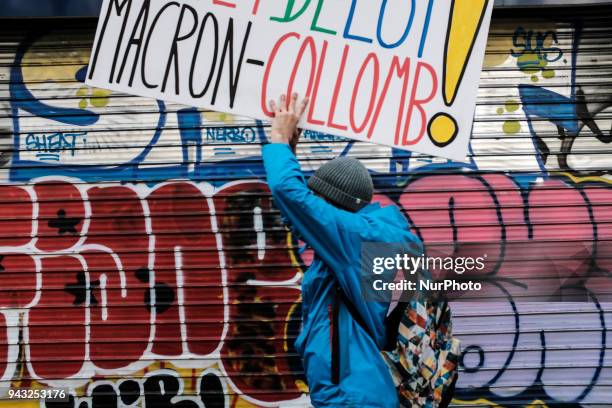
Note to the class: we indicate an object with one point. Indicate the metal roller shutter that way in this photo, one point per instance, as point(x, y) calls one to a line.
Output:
point(140, 251)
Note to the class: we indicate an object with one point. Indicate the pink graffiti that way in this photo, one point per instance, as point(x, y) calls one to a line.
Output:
point(554, 232)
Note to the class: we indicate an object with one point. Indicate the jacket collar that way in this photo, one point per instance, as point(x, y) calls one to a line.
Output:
point(369, 208)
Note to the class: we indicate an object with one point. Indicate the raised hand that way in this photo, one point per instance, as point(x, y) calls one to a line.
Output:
point(287, 114)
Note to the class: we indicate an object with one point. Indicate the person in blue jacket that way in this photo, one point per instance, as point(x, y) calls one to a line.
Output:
point(334, 215)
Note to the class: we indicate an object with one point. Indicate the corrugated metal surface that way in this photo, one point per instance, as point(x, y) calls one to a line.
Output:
point(140, 250)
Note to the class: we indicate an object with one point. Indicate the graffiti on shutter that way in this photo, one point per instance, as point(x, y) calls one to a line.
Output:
point(140, 249)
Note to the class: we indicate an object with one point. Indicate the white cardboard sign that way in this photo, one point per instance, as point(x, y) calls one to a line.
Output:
point(401, 73)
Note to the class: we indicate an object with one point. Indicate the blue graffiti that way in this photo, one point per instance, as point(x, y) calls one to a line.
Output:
point(50, 146)
point(568, 114)
point(531, 49)
point(23, 99)
point(231, 135)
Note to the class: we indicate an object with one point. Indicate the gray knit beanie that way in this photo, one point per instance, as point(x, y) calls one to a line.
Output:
point(345, 182)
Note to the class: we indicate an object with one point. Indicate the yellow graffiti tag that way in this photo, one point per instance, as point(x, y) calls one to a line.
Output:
point(585, 179)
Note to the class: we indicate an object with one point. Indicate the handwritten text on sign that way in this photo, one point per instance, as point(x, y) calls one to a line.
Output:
point(402, 73)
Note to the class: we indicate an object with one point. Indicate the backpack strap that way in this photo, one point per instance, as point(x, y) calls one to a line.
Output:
point(335, 342)
point(340, 297)
point(392, 322)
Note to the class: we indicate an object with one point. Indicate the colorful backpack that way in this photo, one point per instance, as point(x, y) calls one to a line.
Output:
point(424, 361)
point(421, 353)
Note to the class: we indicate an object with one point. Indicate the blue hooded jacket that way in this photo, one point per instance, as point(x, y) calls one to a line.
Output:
point(336, 237)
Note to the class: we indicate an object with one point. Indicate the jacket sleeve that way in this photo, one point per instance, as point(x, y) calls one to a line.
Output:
point(324, 227)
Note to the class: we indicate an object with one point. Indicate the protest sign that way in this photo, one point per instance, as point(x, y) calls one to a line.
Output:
point(402, 73)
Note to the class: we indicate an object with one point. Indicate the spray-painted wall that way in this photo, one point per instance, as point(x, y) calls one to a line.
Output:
point(140, 250)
